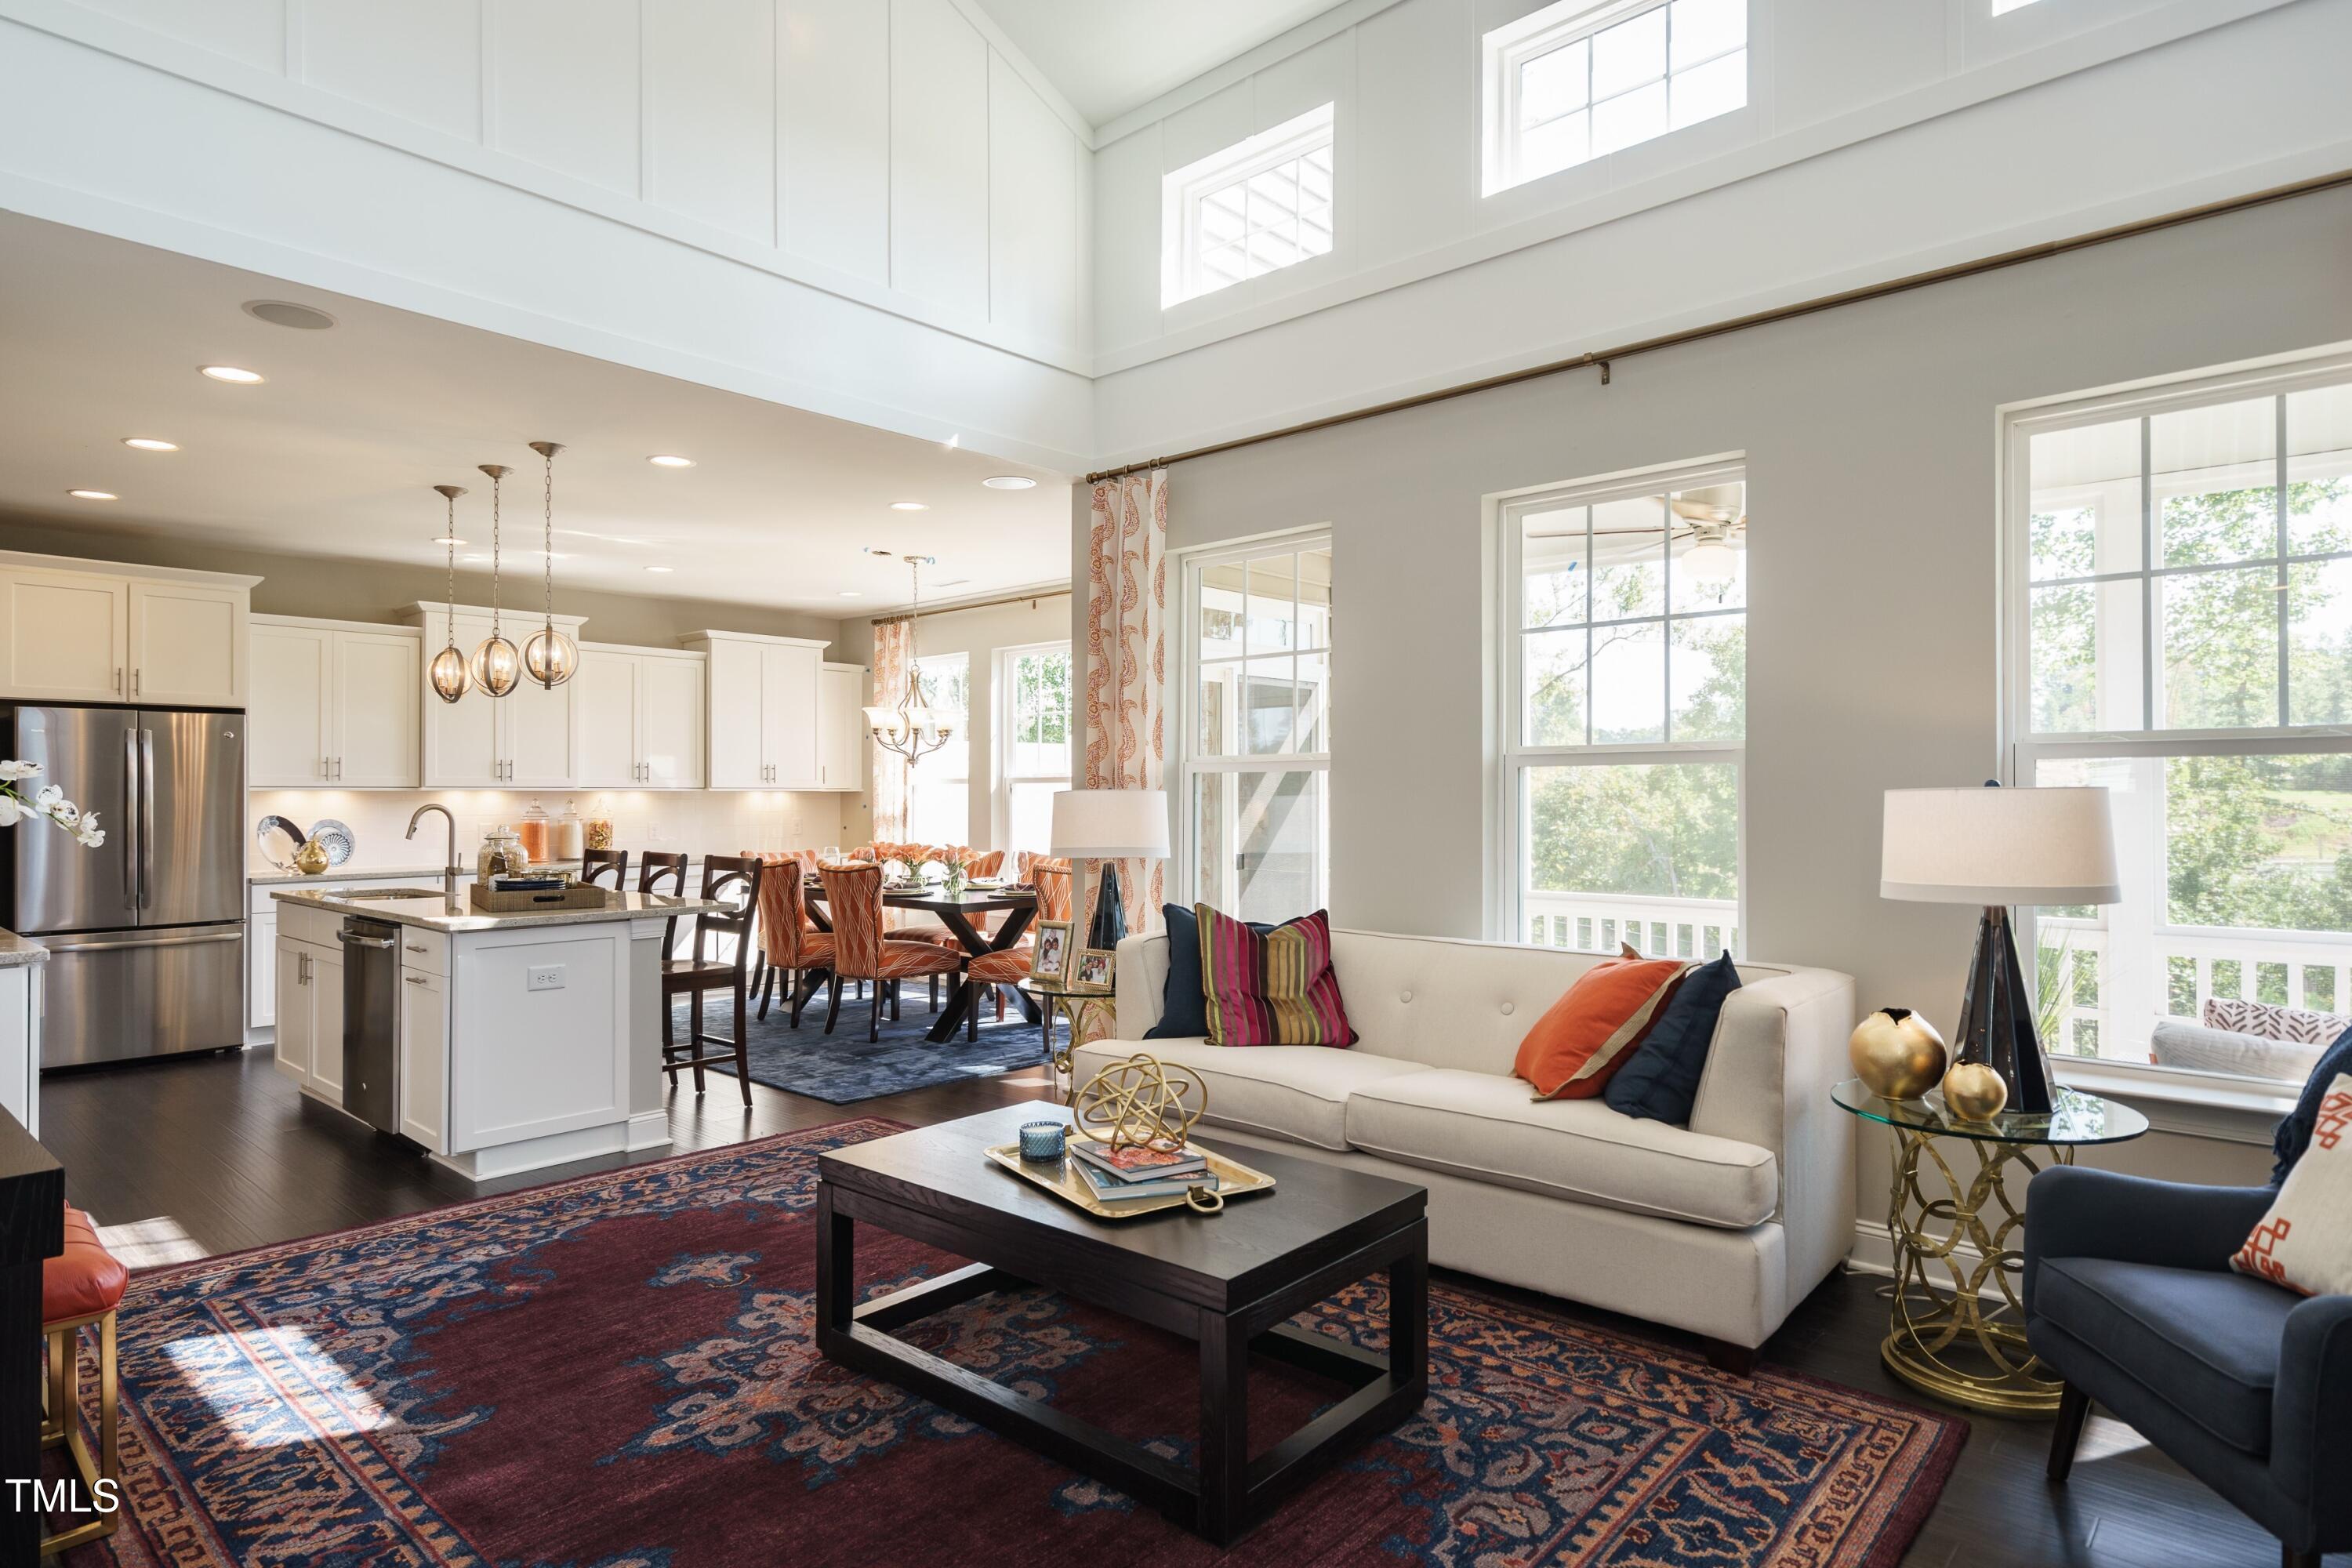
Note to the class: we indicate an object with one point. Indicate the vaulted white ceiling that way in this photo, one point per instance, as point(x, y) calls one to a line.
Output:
point(333, 454)
point(1107, 56)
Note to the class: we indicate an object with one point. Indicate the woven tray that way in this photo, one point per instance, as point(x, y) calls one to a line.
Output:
point(1234, 1180)
point(578, 896)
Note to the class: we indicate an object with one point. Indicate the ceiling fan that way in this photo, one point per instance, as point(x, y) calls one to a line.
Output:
point(1717, 534)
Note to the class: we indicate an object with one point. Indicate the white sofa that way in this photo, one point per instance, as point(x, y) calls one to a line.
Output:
point(1719, 1229)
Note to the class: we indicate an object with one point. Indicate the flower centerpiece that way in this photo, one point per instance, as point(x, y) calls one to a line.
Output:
point(47, 801)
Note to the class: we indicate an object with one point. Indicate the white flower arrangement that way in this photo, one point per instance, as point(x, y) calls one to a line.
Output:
point(48, 801)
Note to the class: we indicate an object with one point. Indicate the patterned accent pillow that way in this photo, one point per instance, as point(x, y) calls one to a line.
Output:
point(2268, 1021)
point(2304, 1243)
point(1270, 988)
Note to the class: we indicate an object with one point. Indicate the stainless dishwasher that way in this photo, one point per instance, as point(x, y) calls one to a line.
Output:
point(371, 1021)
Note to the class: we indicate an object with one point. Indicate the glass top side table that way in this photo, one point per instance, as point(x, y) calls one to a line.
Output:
point(1070, 1001)
point(1943, 1336)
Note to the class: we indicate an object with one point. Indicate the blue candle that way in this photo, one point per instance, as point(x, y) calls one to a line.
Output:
point(1041, 1140)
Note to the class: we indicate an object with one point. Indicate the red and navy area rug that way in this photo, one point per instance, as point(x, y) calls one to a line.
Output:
point(617, 1371)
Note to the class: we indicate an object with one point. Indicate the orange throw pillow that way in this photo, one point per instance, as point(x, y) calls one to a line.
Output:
point(1592, 1030)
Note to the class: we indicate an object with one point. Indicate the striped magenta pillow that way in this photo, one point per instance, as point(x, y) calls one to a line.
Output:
point(1270, 988)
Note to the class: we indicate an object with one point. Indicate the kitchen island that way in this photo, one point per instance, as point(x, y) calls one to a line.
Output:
point(512, 1041)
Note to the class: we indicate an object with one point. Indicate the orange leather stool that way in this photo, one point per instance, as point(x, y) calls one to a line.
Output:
point(79, 1287)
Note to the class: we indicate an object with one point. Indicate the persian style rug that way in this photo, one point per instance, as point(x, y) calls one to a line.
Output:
point(844, 1067)
point(616, 1372)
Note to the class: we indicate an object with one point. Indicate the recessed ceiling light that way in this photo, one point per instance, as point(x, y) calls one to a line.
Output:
point(446, 539)
point(661, 568)
point(93, 495)
point(851, 593)
point(908, 506)
point(669, 460)
point(231, 374)
point(286, 313)
point(150, 444)
point(1010, 482)
point(476, 556)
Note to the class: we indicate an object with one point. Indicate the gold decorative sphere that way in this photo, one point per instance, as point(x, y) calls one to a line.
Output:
point(310, 858)
point(1896, 1053)
point(1139, 1104)
point(451, 679)
point(497, 665)
point(1974, 1092)
point(550, 657)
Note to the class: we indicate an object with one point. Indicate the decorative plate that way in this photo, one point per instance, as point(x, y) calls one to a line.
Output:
point(335, 837)
point(279, 839)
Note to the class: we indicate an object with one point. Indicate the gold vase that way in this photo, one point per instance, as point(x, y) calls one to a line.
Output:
point(1896, 1053)
point(1974, 1092)
point(312, 857)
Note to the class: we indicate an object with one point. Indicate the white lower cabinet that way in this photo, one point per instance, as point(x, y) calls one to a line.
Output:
point(326, 990)
point(424, 1057)
point(261, 971)
point(295, 1016)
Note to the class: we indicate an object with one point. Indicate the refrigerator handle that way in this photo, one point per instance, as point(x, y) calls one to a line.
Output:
point(146, 818)
point(131, 826)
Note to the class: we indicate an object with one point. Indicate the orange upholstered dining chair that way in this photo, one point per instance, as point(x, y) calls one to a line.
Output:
point(852, 897)
point(790, 942)
point(1009, 966)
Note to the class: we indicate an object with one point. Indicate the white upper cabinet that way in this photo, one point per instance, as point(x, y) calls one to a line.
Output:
point(763, 709)
point(641, 718)
point(80, 632)
point(335, 705)
point(529, 737)
point(840, 727)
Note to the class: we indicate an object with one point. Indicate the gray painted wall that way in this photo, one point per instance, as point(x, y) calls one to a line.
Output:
point(375, 591)
point(1870, 435)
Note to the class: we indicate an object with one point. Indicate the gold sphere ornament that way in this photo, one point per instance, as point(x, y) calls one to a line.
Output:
point(1140, 1104)
point(310, 858)
point(1896, 1053)
point(1974, 1092)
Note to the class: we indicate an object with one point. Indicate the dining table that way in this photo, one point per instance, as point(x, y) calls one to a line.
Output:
point(957, 912)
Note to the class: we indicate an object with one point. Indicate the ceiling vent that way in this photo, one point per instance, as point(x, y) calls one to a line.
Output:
point(286, 313)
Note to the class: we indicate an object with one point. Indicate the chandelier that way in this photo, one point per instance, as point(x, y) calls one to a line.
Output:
point(912, 727)
point(549, 656)
point(496, 665)
point(448, 672)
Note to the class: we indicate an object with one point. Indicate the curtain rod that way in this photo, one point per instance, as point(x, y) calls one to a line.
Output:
point(977, 604)
point(1601, 357)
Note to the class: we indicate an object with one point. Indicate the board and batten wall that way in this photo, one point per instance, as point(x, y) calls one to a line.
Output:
point(1870, 435)
point(872, 209)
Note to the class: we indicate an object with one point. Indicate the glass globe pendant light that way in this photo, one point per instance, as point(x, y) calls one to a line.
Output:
point(448, 673)
point(549, 656)
point(496, 665)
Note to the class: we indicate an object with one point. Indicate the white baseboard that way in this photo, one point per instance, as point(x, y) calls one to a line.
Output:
point(648, 1128)
point(1873, 1253)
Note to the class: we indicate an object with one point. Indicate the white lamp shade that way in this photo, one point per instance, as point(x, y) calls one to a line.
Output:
point(1998, 846)
point(1111, 824)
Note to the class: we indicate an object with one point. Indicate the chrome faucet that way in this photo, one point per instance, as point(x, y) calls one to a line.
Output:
point(450, 869)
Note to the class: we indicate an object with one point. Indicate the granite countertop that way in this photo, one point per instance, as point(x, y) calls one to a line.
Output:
point(434, 912)
point(270, 877)
point(15, 951)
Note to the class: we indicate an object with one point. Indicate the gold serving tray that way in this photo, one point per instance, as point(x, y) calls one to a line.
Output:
point(1234, 1180)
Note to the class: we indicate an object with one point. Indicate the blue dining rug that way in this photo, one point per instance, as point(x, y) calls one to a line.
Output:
point(844, 1067)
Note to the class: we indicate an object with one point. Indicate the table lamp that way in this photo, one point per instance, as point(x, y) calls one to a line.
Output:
point(1108, 824)
point(1996, 847)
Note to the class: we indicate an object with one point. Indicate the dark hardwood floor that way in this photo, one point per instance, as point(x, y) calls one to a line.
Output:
point(228, 1151)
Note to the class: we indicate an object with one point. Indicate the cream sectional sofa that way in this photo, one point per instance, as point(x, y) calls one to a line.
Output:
point(1719, 1229)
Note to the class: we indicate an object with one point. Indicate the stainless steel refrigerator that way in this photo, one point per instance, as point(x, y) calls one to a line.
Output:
point(146, 933)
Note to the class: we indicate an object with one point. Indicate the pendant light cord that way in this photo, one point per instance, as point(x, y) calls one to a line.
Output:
point(547, 544)
point(450, 605)
point(495, 479)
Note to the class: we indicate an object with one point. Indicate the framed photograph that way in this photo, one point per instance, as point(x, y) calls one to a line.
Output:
point(1052, 959)
point(1094, 966)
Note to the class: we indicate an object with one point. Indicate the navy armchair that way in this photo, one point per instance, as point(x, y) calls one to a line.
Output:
point(2129, 1297)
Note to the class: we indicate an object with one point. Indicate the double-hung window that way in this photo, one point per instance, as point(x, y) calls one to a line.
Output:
point(1575, 80)
point(939, 806)
point(1254, 207)
point(1255, 825)
point(1033, 749)
point(2177, 594)
point(1626, 673)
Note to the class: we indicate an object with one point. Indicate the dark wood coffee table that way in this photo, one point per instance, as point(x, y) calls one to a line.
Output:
point(1229, 1281)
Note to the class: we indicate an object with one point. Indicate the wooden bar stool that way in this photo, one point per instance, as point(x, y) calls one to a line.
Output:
point(80, 1286)
point(655, 867)
point(594, 863)
point(732, 879)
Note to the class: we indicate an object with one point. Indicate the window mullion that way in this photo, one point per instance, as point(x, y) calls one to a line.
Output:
point(2147, 584)
point(2278, 506)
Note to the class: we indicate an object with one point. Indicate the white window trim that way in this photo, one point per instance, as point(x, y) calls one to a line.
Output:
point(916, 774)
point(2237, 1109)
point(1185, 763)
point(1008, 720)
point(1507, 48)
point(1505, 885)
point(1180, 194)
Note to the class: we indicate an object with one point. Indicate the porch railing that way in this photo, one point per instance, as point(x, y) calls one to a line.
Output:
point(1598, 923)
point(2292, 969)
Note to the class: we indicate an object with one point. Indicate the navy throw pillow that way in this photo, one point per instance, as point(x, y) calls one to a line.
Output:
point(1183, 1013)
point(2294, 1134)
point(1661, 1083)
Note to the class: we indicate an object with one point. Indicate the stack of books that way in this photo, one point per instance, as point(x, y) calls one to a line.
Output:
point(1130, 1175)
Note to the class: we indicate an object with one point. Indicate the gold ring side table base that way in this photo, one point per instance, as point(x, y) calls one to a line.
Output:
point(1956, 1326)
